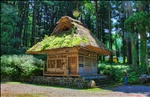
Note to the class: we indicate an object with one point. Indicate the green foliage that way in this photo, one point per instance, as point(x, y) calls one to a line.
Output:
point(139, 20)
point(115, 71)
point(9, 20)
point(48, 2)
point(63, 39)
point(133, 77)
point(19, 66)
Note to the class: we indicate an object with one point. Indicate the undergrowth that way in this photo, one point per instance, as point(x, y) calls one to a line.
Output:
point(20, 66)
point(116, 71)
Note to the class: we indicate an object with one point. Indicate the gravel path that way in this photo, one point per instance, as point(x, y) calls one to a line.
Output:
point(43, 91)
point(145, 90)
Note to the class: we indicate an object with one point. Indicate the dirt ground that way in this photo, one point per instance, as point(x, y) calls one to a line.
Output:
point(27, 90)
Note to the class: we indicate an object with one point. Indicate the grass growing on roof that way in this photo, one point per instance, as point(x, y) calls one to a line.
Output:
point(63, 39)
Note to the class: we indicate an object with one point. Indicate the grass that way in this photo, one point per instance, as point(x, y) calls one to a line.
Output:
point(21, 95)
point(95, 90)
point(112, 86)
point(11, 82)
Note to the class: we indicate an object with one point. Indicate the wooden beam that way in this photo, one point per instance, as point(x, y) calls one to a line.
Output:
point(77, 61)
point(99, 50)
point(61, 50)
point(47, 74)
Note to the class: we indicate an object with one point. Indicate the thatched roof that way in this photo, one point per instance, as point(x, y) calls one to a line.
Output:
point(69, 33)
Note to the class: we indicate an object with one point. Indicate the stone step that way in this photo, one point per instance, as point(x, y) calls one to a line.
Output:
point(101, 83)
point(104, 82)
point(105, 85)
point(94, 77)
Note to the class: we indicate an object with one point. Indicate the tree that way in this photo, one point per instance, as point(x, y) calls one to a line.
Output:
point(110, 35)
point(26, 24)
point(139, 21)
point(9, 20)
point(96, 12)
point(34, 23)
point(128, 9)
point(131, 28)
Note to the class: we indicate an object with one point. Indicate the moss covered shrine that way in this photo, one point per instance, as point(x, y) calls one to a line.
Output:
point(71, 50)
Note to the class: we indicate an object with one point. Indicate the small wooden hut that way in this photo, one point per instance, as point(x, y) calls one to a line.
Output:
point(72, 50)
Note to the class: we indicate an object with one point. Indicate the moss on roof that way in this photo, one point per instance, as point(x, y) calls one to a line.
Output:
point(61, 37)
point(64, 39)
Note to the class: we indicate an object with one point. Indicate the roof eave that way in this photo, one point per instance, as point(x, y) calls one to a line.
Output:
point(99, 50)
point(35, 52)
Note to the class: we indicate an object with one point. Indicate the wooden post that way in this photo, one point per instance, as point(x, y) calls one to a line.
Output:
point(44, 69)
point(67, 62)
point(47, 61)
point(77, 60)
point(84, 63)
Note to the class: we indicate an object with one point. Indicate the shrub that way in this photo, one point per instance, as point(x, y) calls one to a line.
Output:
point(19, 66)
point(115, 71)
point(133, 77)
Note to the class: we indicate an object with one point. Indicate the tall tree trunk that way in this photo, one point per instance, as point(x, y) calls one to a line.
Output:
point(33, 24)
point(52, 16)
point(137, 42)
point(20, 24)
point(123, 32)
point(116, 46)
point(143, 38)
point(129, 54)
point(96, 12)
point(134, 50)
point(26, 24)
point(123, 46)
point(137, 48)
point(110, 35)
point(148, 53)
point(143, 50)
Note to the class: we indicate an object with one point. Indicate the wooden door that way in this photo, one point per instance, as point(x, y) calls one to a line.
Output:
point(72, 63)
point(87, 68)
point(81, 64)
point(94, 66)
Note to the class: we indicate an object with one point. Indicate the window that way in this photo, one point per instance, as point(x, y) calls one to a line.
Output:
point(51, 63)
point(59, 63)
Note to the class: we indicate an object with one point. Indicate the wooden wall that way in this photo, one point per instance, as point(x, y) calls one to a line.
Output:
point(87, 62)
point(70, 62)
point(62, 62)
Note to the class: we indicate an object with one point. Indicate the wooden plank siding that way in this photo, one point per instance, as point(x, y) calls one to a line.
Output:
point(87, 61)
point(71, 62)
point(62, 62)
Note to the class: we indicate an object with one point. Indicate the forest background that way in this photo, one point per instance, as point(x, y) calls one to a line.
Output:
point(123, 26)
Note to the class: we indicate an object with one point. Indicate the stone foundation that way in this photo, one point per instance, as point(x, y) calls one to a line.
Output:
point(59, 81)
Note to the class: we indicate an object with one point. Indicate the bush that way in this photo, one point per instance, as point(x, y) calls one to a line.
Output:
point(133, 77)
point(114, 71)
point(19, 66)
